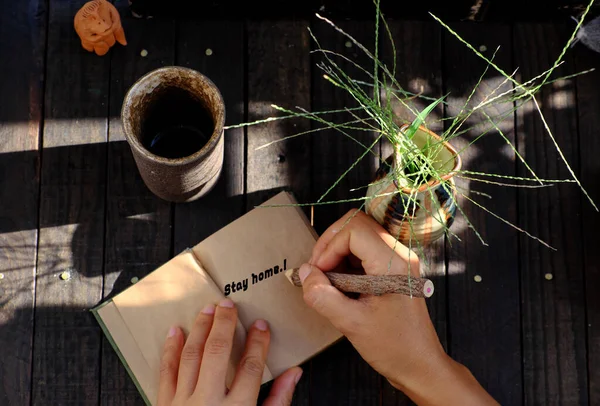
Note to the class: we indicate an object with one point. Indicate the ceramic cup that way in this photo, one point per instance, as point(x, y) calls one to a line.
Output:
point(173, 120)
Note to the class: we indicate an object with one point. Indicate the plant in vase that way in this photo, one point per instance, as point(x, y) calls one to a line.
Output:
point(413, 194)
point(409, 202)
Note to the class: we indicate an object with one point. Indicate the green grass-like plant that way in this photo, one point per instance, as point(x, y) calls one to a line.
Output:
point(374, 112)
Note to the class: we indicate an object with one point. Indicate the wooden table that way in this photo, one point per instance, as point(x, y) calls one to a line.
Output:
point(71, 199)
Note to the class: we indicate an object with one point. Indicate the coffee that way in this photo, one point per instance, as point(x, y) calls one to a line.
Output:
point(176, 124)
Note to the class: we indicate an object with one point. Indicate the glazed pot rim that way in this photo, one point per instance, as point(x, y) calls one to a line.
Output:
point(449, 175)
point(133, 140)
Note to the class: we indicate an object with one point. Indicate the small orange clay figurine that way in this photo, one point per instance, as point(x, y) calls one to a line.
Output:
point(98, 24)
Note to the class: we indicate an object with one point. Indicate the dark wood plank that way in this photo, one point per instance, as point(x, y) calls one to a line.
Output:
point(333, 152)
point(21, 81)
point(419, 70)
point(340, 376)
point(484, 317)
point(225, 66)
point(279, 73)
point(553, 313)
point(138, 225)
point(588, 105)
point(67, 339)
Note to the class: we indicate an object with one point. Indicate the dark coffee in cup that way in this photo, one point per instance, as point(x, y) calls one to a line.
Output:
point(177, 125)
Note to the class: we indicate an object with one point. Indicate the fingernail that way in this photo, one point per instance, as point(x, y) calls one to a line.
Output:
point(304, 271)
point(297, 378)
point(172, 332)
point(312, 259)
point(208, 309)
point(226, 303)
point(261, 325)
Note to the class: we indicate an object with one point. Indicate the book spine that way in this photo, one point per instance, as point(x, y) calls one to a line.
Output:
point(119, 354)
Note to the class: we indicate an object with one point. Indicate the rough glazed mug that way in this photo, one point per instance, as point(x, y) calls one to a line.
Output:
point(181, 97)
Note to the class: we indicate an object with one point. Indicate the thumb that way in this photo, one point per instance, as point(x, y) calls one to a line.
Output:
point(329, 302)
point(283, 388)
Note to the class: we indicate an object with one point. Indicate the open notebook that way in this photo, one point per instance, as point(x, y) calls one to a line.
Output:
point(244, 261)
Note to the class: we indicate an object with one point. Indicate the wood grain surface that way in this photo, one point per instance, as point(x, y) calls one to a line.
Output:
point(67, 340)
point(21, 109)
point(484, 321)
point(77, 223)
point(138, 224)
point(553, 312)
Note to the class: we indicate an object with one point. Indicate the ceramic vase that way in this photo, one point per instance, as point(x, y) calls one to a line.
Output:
point(416, 215)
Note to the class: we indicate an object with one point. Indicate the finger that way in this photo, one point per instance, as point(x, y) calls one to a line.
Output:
point(217, 351)
point(351, 218)
point(344, 313)
point(191, 356)
point(169, 365)
point(283, 388)
point(331, 231)
point(354, 262)
point(248, 377)
point(378, 251)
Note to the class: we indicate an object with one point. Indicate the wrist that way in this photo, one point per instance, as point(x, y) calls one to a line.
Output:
point(433, 368)
point(445, 382)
